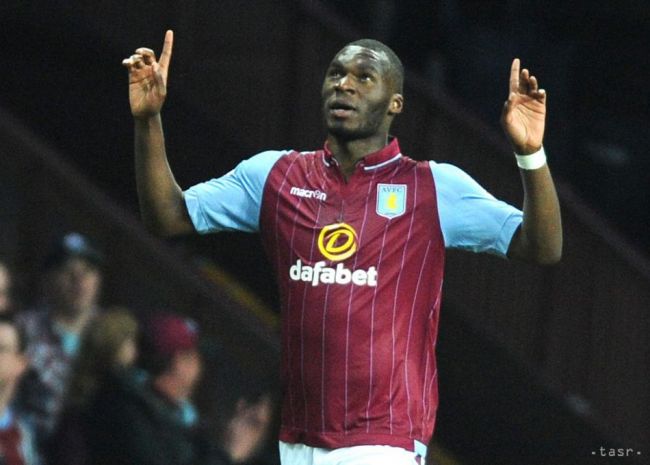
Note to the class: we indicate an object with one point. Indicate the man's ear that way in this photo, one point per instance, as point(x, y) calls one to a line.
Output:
point(396, 104)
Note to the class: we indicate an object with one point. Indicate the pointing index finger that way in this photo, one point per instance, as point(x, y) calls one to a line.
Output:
point(166, 53)
point(514, 75)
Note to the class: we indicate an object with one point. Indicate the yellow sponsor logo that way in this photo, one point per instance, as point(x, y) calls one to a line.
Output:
point(337, 241)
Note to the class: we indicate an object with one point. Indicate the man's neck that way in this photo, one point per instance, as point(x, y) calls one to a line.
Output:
point(349, 152)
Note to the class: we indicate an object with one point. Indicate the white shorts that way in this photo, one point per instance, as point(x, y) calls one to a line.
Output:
point(300, 454)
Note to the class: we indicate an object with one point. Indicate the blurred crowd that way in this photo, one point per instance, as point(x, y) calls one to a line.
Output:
point(85, 384)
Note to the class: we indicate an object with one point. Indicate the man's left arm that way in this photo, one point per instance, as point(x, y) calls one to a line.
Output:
point(539, 239)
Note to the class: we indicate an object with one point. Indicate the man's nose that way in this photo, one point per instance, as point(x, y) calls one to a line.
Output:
point(344, 83)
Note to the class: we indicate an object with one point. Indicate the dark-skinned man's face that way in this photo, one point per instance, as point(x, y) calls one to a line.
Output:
point(357, 93)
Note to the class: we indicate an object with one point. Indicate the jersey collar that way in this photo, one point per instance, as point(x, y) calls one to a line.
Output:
point(389, 154)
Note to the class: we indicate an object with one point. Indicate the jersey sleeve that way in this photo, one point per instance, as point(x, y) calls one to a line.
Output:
point(231, 202)
point(470, 217)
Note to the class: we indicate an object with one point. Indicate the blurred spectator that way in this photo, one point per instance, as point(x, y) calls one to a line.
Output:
point(16, 441)
point(108, 348)
point(247, 428)
point(151, 420)
point(5, 288)
point(72, 283)
point(236, 413)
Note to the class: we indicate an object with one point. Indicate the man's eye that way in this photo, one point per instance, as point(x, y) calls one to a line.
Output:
point(335, 74)
point(365, 78)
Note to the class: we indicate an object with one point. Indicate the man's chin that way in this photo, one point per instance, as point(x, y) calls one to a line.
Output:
point(344, 133)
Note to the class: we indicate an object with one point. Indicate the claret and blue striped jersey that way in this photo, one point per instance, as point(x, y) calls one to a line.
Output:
point(359, 265)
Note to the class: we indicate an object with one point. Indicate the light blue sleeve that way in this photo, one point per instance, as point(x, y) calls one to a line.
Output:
point(231, 202)
point(470, 217)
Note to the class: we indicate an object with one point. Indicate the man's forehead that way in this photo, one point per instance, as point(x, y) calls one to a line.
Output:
point(354, 52)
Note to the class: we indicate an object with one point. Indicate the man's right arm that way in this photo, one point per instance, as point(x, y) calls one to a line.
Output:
point(162, 205)
point(161, 200)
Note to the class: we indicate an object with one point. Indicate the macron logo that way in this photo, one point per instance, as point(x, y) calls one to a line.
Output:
point(299, 192)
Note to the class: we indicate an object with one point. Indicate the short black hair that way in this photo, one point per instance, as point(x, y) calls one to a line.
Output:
point(396, 68)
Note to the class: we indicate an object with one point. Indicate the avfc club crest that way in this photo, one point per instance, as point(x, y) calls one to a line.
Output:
point(391, 200)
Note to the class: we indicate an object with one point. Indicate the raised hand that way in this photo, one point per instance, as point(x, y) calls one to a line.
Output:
point(524, 113)
point(148, 79)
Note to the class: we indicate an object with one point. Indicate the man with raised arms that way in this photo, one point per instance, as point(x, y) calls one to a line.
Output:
point(356, 232)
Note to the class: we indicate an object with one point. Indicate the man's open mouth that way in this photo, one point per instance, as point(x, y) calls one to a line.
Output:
point(340, 109)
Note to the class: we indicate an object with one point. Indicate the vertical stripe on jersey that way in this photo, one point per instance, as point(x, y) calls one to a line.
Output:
point(279, 260)
point(433, 405)
point(399, 276)
point(408, 341)
point(372, 316)
point(322, 393)
point(347, 335)
point(302, 319)
point(425, 404)
point(293, 235)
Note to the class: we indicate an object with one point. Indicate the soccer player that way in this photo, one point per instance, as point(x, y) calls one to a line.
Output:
point(356, 232)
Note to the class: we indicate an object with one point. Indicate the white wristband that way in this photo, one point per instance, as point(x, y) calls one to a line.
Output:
point(533, 161)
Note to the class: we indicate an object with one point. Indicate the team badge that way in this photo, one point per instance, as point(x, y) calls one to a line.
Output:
point(391, 200)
